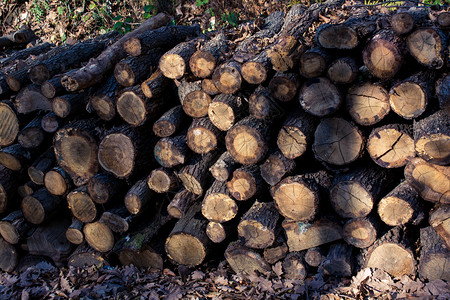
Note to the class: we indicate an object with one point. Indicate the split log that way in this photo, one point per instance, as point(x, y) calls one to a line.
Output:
point(428, 46)
point(162, 180)
point(383, 56)
point(209, 87)
point(138, 197)
point(81, 205)
point(315, 256)
point(276, 167)
point(262, 106)
point(9, 124)
point(30, 99)
point(105, 188)
point(9, 256)
point(244, 260)
point(40, 206)
point(296, 133)
point(343, 70)
point(367, 103)
point(337, 142)
point(41, 166)
point(294, 266)
point(338, 261)
point(218, 205)
point(169, 122)
point(429, 180)
point(224, 166)
point(336, 36)
point(434, 256)
point(181, 203)
point(224, 110)
point(52, 87)
point(103, 101)
point(302, 236)
point(85, 256)
point(256, 70)
point(76, 150)
point(15, 157)
point(14, 227)
point(353, 194)
point(360, 232)
point(313, 62)
point(57, 181)
point(171, 151)
point(401, 206)
point(173, 64)
point(277, 251)
point(443, 93)
point(247, 140)
point(202, 136)
point(285, 53)
point(94, 71)
point(188, 243)
point(155, 85)
point(227, 77)
point(257, 228)
point(32, 135)
point(432, 138)
point(98, 236)
point(133, 70)
point(194, 174)
point(69, 105)
point(391, 146)
point(284, 86)
point(50, 122)
point(203, 62)
point(391, 253)
point(319, 97)
point(74, 233)
point(246, 182)
point(440, 221)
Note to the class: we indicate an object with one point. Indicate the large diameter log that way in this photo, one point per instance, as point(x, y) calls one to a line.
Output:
point(69, 105)
point(99, 236)
point(85, 256)
point(244, 260)
point(224, 166)
point(430, 181)
point(133, 70)
point(194, 174)
point(337, 142)
point(258, 225)
point(218, 205)
point(428, 46)
point(9, 256)
point(9, 124)
point(203, 62)
point(224, 110)
point(14, 157)
point(391, 253)
point(391, 146)
point(30, 99)
point(401, 206)
point(74, 233)
point(188, 243)
point(14, 227)
point(173, 64)
point(434, 256)
point(202, 136)
point(284, 86)
point(41, 166)
point(181, 203)
point(162, 180)
point(367, 103)
point(247, 140)
point(138, 197)
point(275, 167)
point(32, 135)
point(360, 232)
point(75, 148)
point(246, 182)
point(169, 122)
point(94, 71)
point(171, 151)
point(320, 97)
point(432, 138)
point(336, 36)
point(294, 266)
point(227, 77)
point(104, 188)
point(103, 101)
point(296, 134)
point(353, 194)
point(339, 261)
point(383, 56)
point(57, 181)
point(343, 70)
point(302, 236)
point(81, 205)
point(440, 221)
point(40, 206)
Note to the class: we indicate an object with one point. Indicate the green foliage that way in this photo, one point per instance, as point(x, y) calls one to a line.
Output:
point(231, 18)
point(201, 2)
point(38, 9)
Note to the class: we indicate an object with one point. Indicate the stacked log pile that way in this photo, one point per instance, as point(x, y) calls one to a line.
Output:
point(327, 154)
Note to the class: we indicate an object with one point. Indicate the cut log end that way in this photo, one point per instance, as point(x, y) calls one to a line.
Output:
point(75, 236)
point(9, 256)
point(33, 210)
point(9, 125)
point(254, 72)
point(116, 154)
point(202, 64)
point(426, 45)
point(320, 97)
point(219, 207)
point(351, 200)
point(185, 249)
point(99, 236)
point(359, 232)
point(55, 183)
point(173, 66)
point(244, 260)
point(131, 108)
point(393, 259)
point(216, 232)
point(82, 206)
point(408, 100)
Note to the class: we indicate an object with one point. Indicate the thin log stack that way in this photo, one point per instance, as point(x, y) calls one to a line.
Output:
point(323, 148)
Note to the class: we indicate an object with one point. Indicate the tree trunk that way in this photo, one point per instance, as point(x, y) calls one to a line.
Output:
point(138, 197)
point(98, 236)
point(8, 187)
point(118, 219)
point(257, 70)
point(319, 97)
point(69, 105)
point(30, 99)
point(360, 232)
point(224, 110)
point(171, 151)
point(202, 136)
point(217, 232)
point(428, 46)
point(343, 70)
point(81, 205)
point(246, 182)
point(440, 221)
point(218, 205)
point(262, 106)
point(9, 124)
point(336, 36)
point(313, 62)
point(209, 87)
point(170, 122)
point(154, 86)
point(194, 175)
point(52, 87)
point(15, 157)
point(32, 135)
point(40, 207)
point(105, 188)
point(227, 77)
point(284, 86)
point(315, 256)
point(133, 70)
point(285, 53)
point(294, 266)
point(224, 166)
point(277, 251)
point(51, 123)
point(85, 256)
point(203, 62)
point(162, 180)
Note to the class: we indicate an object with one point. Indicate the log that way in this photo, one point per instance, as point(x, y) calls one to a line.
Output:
point(224, 110)
point(171, 151)
point(284, 86)
point(285, 53)
point(337, 142)
point(391, 146)
point(275, 167)
point(294, 266)
point(443, 93)
point(277, 251)
point(403, 22)
point(180, 203)
point(76, 150)
point(391, 253)
point(353, 194)
point(440, 221)
point(98, 236)
point(432, 138)
point(217, 232)
point(257, 69)
point(57, 181)
point(14, 227)
point(343, 70)
point(203, 62)
point(94, 71)
point(118, 219)
point(247, 140)
point(52, 87)
point(51, 123)
point(105, 188)
point(15, 157)
point(434, 256)
point(296, 134)
point(8, 186)
point(262, 106)
point(27, 189)
point(170, 122)
point(9, 124)
point(8, 256)
point(319, 97)
point(133, 70)
point(339, 261)
point(383, 55)
point(227, 77)
point(173, 64)
point(315, 256)
point(336, 36)
point(18, 80)
point(195, 102)
point(401, 206)
point(202, 136)
point(257, 227)
point(32, 135)
point(162, 180)
point(69, 105)
point(30, 99)
point(360, 232)
point(224, 166)
point(246, 182)
point(188, 243)
point(209, 87)
point(74, 233)
point(313, 62)
point(41, 166)
point(367, 103)
point(40, 207)
point(429, 180)
point(138, 197)
point(443, 19)
point(194, 174)
point(103, 101)
point(244, 260)
point(428, 46)
point(81, 204)
point(154, 86)
point(85, 256)
point(24, 54)
point(218, 206)
point(302, 236)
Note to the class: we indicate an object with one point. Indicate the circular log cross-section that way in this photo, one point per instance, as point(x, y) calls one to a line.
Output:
point(275, 167)
point(402, 23)
point(337, 142)
point(81, 205)
point(218, 206)
point(359, 232)
point(336, 36)
point(391, 146)
point(74, 233)
point(99, 236)
point(171, 151)
point(313, 63)
point(173, 64)
point(367, 103)
point(320, 97)
point(40, 206)
point(169, 122)
point(131, 108)
point(244, 260)
point(427, 46)
point(162, 180)
point(227, 77)
point(343, 70)
point(223, 110)
point(9, 125)
point(202, 136)
point(57, 181)
point(202, 63)
point(196, 103)
point(284, 86)
point(408, 99)
point(246, 182)
point(116, 154)
point(216, 232)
